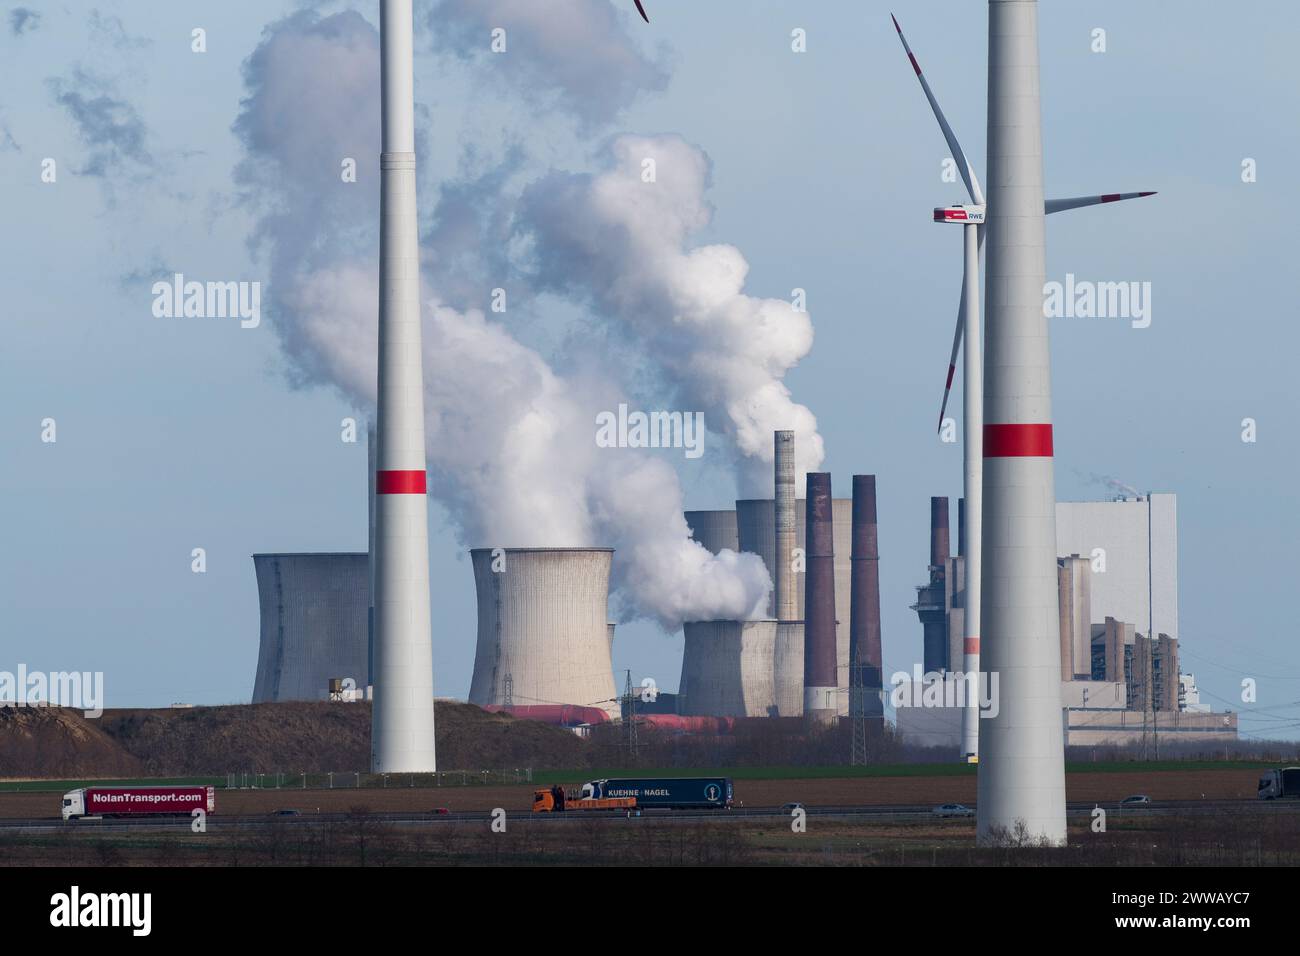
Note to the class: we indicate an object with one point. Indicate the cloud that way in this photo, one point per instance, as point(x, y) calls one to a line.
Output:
point(22, 20)
point(7, 141)
point(107, 124)
point(574, 54)
point(109, 28)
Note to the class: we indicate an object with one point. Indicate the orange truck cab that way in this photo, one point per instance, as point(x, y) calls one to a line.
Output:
point(554, 800)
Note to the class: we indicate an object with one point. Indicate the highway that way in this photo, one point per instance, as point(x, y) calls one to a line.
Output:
point(861, 814)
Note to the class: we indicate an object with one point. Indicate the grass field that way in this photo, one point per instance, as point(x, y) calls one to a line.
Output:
point(62, 786)
point(887, 770)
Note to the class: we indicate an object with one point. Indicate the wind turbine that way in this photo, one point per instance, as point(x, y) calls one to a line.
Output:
point(972, 218)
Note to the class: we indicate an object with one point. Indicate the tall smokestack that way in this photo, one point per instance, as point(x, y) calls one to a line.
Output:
point(1022, 766)
point(783, 574)
point(940, 542)
point(402, 733)
point(819, 679)
point(930, 596)
point(864, 604)
point(961, 527)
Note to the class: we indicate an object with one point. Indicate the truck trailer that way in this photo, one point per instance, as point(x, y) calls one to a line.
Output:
point(667, 793)
point(1279, 783)
point(137, 801)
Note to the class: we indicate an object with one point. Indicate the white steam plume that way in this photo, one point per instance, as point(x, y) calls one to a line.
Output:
point(622, 243)
point(512, 450)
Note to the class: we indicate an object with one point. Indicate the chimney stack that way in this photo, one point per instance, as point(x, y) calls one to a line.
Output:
point(820, 704)
point(961, 527)
point(783, 507)
point(940, 544)
point(930, 603)
point(864, 604)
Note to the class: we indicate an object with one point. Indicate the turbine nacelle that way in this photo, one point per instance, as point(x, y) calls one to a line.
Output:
point(962, 214)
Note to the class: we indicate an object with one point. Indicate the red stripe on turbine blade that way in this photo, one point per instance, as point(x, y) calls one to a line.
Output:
point(971, 645)
point(1018, 441)
point(952, 369)
point(916, 66)
point(1141, 195)
point(400, 483)
point(896, 26)
point(1111, 197)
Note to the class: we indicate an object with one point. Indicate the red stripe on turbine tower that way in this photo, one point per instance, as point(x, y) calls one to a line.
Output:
point(971, 645)
point(400, 483)
point(1017, 441)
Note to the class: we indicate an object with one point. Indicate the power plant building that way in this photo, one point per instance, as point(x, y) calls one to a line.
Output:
point(314, 610)
point(1133, 546)
point(1118, 559)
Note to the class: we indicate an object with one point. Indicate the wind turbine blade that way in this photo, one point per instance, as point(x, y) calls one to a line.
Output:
point(952, 359)
point(967, 171)
point(1060, 205)
point(641, 10)
point(957, 335)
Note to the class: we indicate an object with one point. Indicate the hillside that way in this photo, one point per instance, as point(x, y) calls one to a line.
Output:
point(288, 737)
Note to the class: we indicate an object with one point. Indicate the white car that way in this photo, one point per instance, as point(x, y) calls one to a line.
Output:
point(953, 810)
point(1137, 800)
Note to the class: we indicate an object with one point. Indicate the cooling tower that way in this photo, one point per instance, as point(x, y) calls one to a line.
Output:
point(313, 609)
point(864, 603)
point(716, 530)
point(543, 634)
point(727, 669)
point(820, 694)
point(787, 668)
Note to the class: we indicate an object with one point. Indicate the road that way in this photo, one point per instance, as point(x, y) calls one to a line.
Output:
point(901, 813)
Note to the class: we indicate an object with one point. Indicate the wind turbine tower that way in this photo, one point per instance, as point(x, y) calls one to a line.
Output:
point(1011, 590)
point(1022, 754)
point(402, 730)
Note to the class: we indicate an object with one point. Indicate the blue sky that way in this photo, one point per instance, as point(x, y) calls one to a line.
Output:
point(176, 434)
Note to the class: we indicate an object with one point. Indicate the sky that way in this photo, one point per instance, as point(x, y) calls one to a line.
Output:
point(817, 170)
